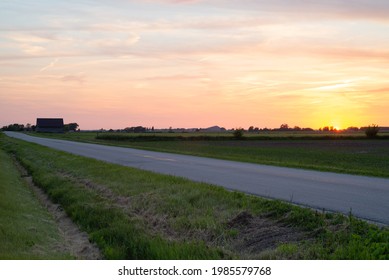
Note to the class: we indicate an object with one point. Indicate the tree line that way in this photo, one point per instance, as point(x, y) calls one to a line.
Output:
point(29, 127)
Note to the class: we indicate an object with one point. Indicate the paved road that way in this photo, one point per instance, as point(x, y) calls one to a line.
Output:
point(367, 197)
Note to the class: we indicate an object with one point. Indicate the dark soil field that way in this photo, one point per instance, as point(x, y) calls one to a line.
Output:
point(364, 157)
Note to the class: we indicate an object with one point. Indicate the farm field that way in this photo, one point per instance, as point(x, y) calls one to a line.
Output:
point(134, 214)
point(344, 153)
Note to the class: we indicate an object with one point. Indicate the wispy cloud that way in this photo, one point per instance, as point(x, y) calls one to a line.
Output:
point(79, 78)
point(50, 65)
point(174, 77)
point(311, 10)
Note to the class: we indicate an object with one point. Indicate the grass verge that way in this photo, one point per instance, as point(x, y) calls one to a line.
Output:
point(27, 230)
point(134, 214)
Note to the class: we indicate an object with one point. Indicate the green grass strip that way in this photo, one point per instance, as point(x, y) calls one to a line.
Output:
point(27, 230)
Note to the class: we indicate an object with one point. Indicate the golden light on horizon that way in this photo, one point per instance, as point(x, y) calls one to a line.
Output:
point(168, 63)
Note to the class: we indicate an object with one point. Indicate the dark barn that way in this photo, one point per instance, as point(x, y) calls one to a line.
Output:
point(49, 125)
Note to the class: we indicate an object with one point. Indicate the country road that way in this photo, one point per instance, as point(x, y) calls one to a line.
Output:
point(366, 197)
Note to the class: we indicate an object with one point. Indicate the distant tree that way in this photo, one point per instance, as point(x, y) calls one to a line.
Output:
point(14, 127)
point(251, 128)
point(238, 133)
point(297, 128)
point(71, 127)
point(284, 126)
point(372, 130)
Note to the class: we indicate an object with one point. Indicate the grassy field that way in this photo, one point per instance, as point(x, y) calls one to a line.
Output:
point(27, 230)
point(134, 214)
point(344, 153)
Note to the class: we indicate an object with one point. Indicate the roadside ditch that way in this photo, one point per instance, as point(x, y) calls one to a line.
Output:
point(77, 242)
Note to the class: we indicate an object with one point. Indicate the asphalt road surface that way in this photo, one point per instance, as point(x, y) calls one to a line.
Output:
point(366, 197)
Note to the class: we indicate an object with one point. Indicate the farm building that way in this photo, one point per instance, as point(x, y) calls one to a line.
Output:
point(214, 129)
point(49, 125)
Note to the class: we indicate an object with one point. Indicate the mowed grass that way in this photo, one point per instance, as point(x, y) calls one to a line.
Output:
point(27, 231)
point(343, 153)
point(134, 214)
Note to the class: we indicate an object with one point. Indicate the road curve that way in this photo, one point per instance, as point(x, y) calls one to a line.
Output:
point(366, 197)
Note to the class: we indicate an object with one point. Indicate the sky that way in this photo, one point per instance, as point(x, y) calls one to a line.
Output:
point(195, 63)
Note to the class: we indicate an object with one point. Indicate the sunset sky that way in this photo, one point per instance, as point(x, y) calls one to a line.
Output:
point(232, 63)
